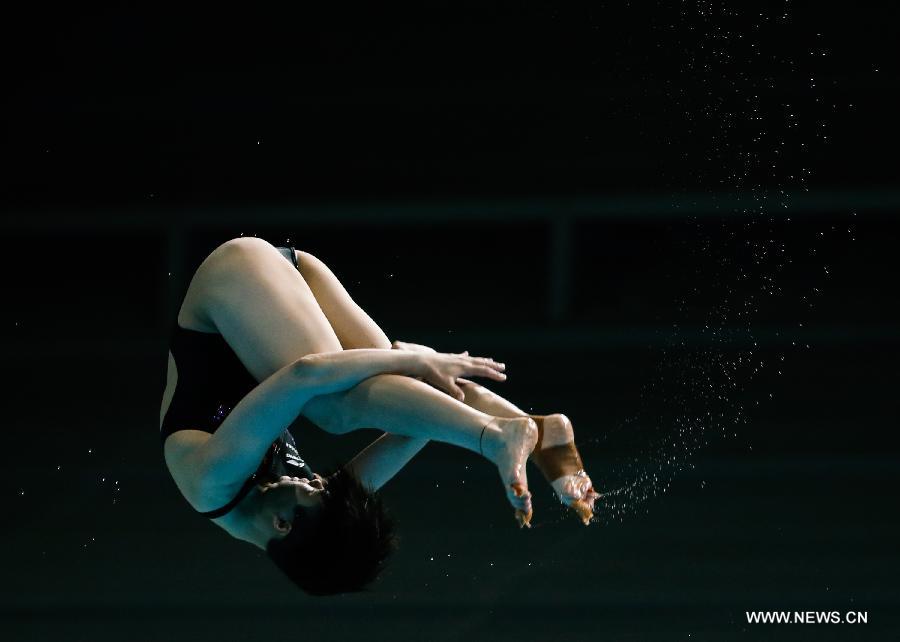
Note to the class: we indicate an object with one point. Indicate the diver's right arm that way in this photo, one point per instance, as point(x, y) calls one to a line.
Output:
point(235, 450)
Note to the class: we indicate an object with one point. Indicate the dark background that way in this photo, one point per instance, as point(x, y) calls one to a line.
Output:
point(675, 224)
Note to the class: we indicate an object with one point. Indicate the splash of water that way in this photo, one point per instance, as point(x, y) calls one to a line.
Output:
point(738, 64)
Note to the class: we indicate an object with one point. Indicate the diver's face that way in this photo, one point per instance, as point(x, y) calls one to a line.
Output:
point(284, 496)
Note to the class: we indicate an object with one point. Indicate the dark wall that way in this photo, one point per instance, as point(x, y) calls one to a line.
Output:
point(130, 106)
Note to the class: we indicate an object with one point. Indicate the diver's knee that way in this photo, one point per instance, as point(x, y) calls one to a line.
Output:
point(330, 412)
point(238, 254)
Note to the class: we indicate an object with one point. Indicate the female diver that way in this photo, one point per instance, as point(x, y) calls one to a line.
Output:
point(260, 340)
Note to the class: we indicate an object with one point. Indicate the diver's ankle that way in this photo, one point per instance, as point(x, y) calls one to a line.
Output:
point(492, 443)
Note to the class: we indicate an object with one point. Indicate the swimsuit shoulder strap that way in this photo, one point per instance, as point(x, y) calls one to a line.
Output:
point(227, 508)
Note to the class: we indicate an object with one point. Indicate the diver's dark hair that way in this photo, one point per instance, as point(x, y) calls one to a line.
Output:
point(341, 547)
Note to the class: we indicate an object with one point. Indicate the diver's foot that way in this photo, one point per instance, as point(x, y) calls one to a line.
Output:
point(559, 462)
point(508, 445)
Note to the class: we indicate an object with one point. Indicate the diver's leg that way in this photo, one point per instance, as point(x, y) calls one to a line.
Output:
point(409, 407)
point(267, 313)
point(387, 402)
point(557, 429)
point(260, 304)
point(353, 327)
point(554, 449)
point(390, 404)
point(354, 410)
point(356, 329)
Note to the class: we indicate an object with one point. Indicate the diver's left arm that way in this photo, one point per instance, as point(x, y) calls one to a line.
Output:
point(384, 458)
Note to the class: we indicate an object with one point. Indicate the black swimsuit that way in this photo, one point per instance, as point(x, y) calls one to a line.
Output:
point(211, 381)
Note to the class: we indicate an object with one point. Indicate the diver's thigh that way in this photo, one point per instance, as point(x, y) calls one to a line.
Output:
point(262, 306)
point(352, 325)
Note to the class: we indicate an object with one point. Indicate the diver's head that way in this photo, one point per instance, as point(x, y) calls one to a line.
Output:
point(338, 539)
point(279, 504)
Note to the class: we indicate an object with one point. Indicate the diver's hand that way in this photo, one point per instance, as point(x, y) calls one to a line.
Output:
point(441, 370)
point(417, 347)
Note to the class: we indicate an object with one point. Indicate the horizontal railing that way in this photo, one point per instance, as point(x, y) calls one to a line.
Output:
point(174, 225)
